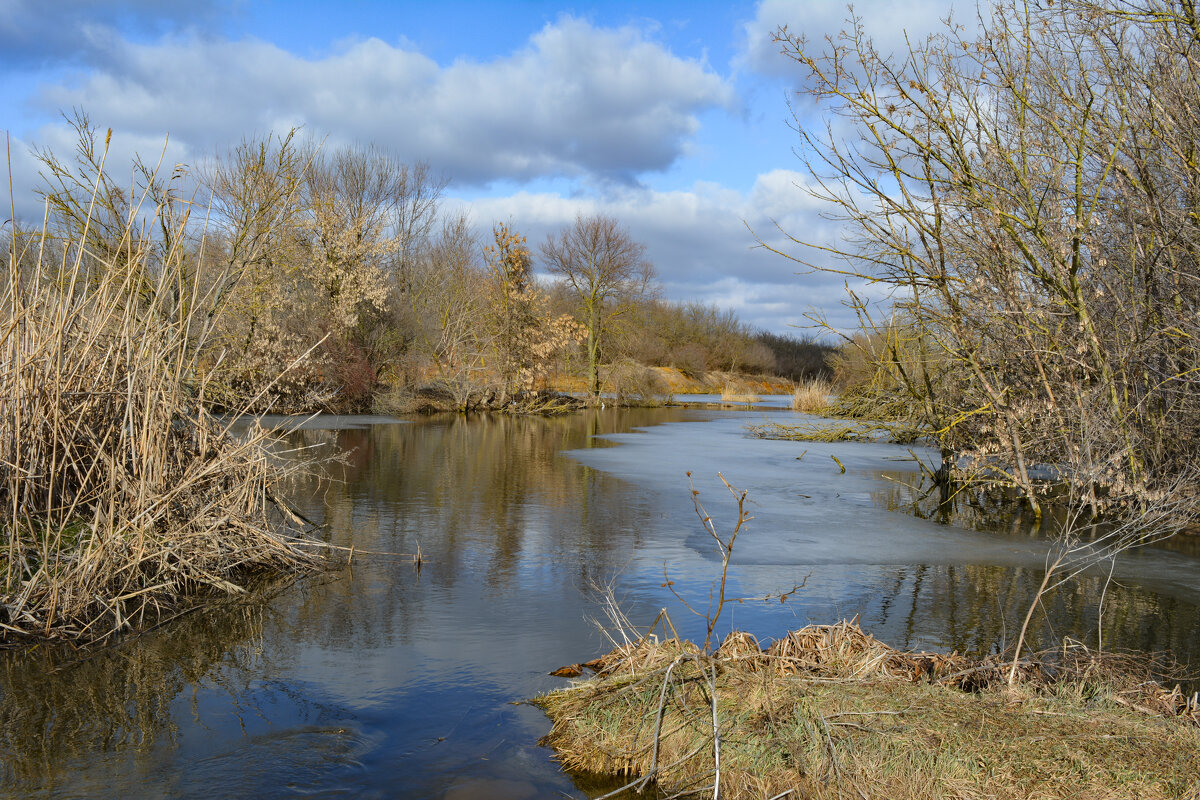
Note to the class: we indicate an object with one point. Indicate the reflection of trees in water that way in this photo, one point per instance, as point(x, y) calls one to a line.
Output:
point(56, 705)
point(978, 609)
point(975, 508)
point(483, 496)
point(490, 499)
point(987, 509)
point(463, 486)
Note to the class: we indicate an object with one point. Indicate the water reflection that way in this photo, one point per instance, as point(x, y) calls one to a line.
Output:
point(995, 510)
point(62, 713)
point(979, 608)
point(489, 501)
point(953, 576)
point(381, 681)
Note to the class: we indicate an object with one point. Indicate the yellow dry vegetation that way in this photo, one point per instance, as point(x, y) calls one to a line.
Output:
point(829, 711)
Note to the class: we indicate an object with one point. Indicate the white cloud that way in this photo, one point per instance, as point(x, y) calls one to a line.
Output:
point(702, 242)
point(32, 34)
point(576, 101)
point(887, 24)
point(598, 107)
point(61, 141)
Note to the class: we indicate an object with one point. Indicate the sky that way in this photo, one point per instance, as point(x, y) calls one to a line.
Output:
point(674, 117)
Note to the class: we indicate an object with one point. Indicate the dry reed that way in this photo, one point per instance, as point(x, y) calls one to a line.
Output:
point(738, 394)
point(829, 711)
point(121, 497)
point(812, 396)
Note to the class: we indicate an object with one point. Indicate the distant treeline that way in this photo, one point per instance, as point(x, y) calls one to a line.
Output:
point(694, 338)
point(800, 358)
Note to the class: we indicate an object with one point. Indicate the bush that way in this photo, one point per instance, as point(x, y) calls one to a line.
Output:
point(636, 384)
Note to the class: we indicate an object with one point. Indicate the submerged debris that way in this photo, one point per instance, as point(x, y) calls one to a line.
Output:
point(829, 711)
point(831, 431)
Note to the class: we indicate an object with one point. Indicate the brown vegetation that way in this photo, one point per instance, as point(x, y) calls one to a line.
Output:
point(604, 267)
point(122, 496)
point(798, 358)
point(695, 338)
point(828, 711)
point(714, 382)
point(1026, 189)
point(344, 259)
point(812, 396)
point(738, 393)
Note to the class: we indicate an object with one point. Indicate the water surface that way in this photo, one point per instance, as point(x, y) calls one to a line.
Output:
point(383, 681)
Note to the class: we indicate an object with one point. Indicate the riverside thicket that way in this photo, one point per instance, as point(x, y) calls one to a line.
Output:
point(122, 497)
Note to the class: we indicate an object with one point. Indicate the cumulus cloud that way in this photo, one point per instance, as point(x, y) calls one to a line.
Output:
point(887, 24)
point(704, 242)
point(576, 101)
point(32, 35)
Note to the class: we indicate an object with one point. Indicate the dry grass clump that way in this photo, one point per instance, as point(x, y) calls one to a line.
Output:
point(731, 393)
point(812, 396)
point(829, 711)
point(635, 384)
point(845, 650)
point(121, 497)
point(743, 648)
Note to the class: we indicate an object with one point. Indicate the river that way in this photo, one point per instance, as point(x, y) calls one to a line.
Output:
point(382, 680)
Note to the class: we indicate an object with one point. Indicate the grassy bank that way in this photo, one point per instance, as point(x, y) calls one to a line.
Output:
point(122, 499)
point(828, 711)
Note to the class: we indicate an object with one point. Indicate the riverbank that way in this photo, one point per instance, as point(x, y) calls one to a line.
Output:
point(668, 381)
point(717, 382)
point(829, 711)
point(630, 385)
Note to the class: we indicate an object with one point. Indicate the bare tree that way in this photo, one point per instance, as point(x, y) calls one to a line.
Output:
point(604, 266)
point(449, 304)
point(319, 246)
point(415, 216)
point(1028, 194)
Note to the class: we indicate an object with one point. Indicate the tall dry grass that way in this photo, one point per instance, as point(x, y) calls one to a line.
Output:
point(121, 497)
point(733, 393)
point(812, 396)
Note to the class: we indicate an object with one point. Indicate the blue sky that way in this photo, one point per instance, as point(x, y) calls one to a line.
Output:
point(671, 116)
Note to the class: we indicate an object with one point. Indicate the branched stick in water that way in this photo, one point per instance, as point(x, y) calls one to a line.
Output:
point(725, 545)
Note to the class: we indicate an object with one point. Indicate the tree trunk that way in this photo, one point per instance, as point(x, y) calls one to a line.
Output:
point(593, 348)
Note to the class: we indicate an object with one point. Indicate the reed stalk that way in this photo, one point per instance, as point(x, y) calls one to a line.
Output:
point(812, 396)
point(122, 498)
